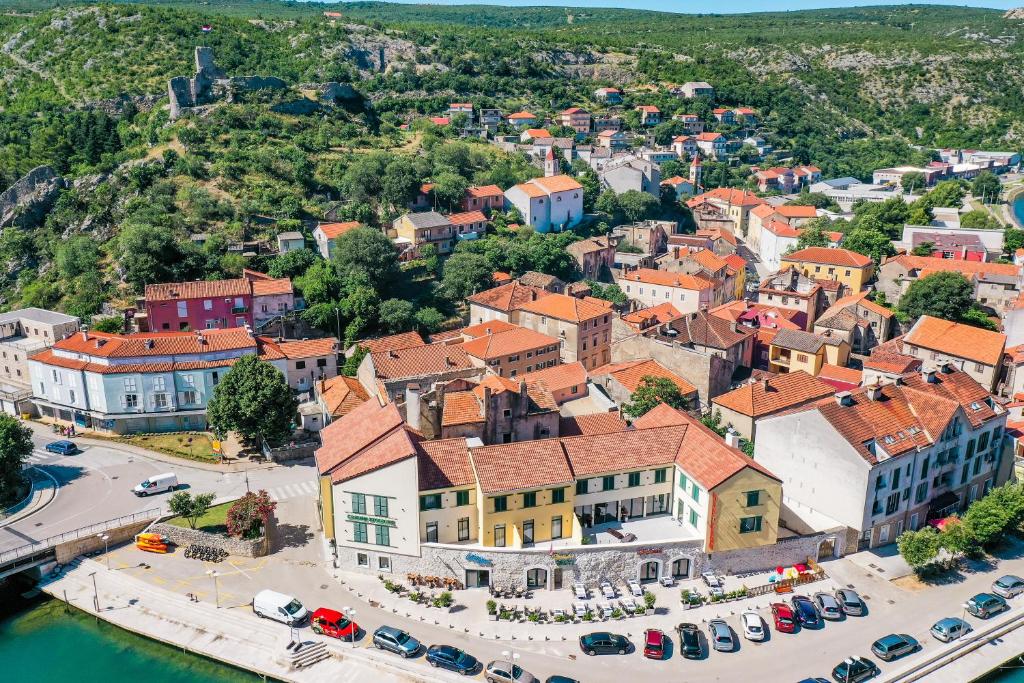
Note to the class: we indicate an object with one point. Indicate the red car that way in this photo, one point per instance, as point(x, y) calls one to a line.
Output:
point(330, 623)
point(782, 614)
point(654, 644)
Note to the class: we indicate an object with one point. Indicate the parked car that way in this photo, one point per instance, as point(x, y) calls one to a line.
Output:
point(854, 669)
point(828, 606)
point(805, 611)
point(753, 626)
point(850, 602)
point(1008, 586)
point(985, 605)
point(654, 644)
point(395, 640)
point(603, 643)
point(499, 671)
point(331, 623)
point(62, 447)
point(894, 646)
point(156, 484)
point(452, 658)
point(279, 607)
point(720, 636)
point(782, 615)
point(950, 628)
point(560, 679)
point(713, 582)
point(689, 641)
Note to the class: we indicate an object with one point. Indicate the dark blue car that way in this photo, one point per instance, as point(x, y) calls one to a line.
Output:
point(451, 658)
point(62, 447)
point(805, 611)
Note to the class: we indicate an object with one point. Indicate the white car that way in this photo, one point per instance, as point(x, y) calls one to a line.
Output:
point(753, 626)
point(635, 588)
point(580, 591)
point(607, 590)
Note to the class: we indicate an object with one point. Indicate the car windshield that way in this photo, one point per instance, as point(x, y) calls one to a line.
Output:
point(342, 623)
point(516, 672)
point(753, 628)
point(1004, 582)
point(293, 607)
point(464, 659)
point(401, 637)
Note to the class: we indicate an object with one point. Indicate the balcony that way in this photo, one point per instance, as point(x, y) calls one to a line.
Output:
point(239, 309)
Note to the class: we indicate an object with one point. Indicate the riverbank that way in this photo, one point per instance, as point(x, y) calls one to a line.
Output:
point(1015, 206)
point(42, 640)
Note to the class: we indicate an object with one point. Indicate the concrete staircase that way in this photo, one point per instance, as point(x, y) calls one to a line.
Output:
point(307, 654)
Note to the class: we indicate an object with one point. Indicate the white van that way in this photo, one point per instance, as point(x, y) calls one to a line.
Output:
point(158, 483)
point(279, 607)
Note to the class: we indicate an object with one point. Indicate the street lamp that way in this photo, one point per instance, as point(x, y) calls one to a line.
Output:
point(95, 593)
point(350, 614)
point(106, 547)
point(216, 588)
point(511, 657)
point(963, 615)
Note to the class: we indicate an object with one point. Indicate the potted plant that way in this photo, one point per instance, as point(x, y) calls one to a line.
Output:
point(533, 617)
point(616, 613)
point(492, 610)
point(649, 599)
point(561, 618)
point(444, 600)
point(506, 614)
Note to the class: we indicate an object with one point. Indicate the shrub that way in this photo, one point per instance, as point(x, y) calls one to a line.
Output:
point(561, 618)
point(492, 607)
point(616, 613)
point(249, 515)
point(649, 599)
point(534, 617)
point(444, 599)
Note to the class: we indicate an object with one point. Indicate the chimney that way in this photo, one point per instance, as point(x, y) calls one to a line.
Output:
point(844, 398)
point(412, 406)
point(764, 385)
point(732, 439)
point(874, 392)
point(735, 327)
point(149, 343)
point(85, 333)
point(392, 354)
point(448, 361)
point(928, 376)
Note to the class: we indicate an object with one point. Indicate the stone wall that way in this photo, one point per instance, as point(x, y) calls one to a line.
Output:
point(710, 374)
point(591, 564)
point(238, 547)
point(65, 552)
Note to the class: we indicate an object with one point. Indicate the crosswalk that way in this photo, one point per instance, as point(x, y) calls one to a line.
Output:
point(286, 491)
point(41, 457)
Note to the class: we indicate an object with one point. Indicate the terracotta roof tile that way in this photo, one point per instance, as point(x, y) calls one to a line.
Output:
point(588, 425)
point(556, 183)
point(307, 348)
point(484, 191)
point(149, 344)
point(827, 256)
point(508, 297)
point(486, 328)
point(966, 268)
point(727, 195)
point(957, 339)
point(792, 211)
point(335, 230)
point(522, 465)
point(467, 217)
point(395, 342)
point(622, 450)
point(773, 395)
point(559, 377)
point(655, 315)
point(198, 289)
point(667, 279)
point(369, 437)
point(519, 340)
point(842, 379)
point(567, 308)
point(419, 361)
point(630, 373)
point(444, 464)
point(272, 286)
point(461, 407)
point(341, 394)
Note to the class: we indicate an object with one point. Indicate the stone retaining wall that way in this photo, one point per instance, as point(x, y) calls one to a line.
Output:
point(65, 552)
point(233, 546)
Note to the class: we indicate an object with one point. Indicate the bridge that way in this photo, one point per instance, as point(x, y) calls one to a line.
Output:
point(40, 552)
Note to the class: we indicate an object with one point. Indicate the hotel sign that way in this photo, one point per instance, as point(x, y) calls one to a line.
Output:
point(649, 551)
point(564, 560)
point(478, 559)
point(366, 519)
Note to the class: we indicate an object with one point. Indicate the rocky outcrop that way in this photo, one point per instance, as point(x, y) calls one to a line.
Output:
point(26, 202)
point(1015, 13)
point(118, 106)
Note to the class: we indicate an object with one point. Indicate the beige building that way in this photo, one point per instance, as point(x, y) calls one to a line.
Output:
point(511, 351)
point(584, 326)
point(793, 350)
point(742, 408)
point(306, 362)
point(24, 333)
point(414, 230)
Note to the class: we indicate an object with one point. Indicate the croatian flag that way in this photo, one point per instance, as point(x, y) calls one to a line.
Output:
point(207, 28)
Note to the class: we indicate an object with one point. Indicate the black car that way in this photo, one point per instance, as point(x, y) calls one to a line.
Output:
point(560, 679)
point(689, 641)
point(451, 658)
point(603, 643)
point(805, 611)
point(854, 670)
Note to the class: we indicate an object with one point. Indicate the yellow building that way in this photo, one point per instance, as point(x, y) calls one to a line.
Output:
point(822, 263)
point(794, 350)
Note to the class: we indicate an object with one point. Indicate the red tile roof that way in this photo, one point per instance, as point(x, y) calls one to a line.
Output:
point(395, 342)
point(568, 308)
point(514, 341)
point(559, 377)
point(773, 395)
point(484, 191)
point(152, 344)
point(307, 348)
point(461, 407)
point(630, 373)
point(957, 339)
point(655, 315)
point(965, 268)
point(588, 425)
point(521, 465)
point(368, 438)
point(467, 218)
point(508, 297)
point(444, 464)
point(198, 289)
point(334, 230)
point(420, 361)
point(665, 278)
point(489, 327)
point(341, 394)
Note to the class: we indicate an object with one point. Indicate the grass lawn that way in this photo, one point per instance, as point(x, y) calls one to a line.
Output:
point(213, 522)
point(191, 445)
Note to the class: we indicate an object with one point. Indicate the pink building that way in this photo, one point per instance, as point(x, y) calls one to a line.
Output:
point(218, 304)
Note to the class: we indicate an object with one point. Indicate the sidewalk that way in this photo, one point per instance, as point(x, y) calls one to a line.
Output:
point(43, 430)
point(235, 636)
point(44, 490)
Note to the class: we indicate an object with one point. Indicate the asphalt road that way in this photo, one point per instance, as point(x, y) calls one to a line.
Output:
point(95, 485)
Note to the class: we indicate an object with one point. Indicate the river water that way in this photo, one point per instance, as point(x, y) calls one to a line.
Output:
point(41, 641)
point(1018, 208)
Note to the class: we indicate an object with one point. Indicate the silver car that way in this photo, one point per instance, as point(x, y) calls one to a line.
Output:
point(720, 636)
point(1008, 586)
point(852, 604)
point(499, 671)
point(950, 628)
point(828, 607)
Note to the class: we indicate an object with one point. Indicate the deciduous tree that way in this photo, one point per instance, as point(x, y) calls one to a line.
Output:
point(254, 401)
point(652, 391)
point(15, 447)
point(249, 516)
point(190, 507)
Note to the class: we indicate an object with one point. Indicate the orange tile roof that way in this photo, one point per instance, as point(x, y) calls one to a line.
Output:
point(966, 268)
point(709, 137)
point(489, 327)
point(825, 255)
point(521, 115)
point(522, 465)
point(630, 373)
point(589, 425)
point(957, 339)
point(858, 299)
point(559, 377)
point(419, 361)
point(341, 394)
point(501, 278)
point(667, 279)
point(507, 297)
point(531, 190)
point(568, 308)
point(649, 109)
point(444, 464)
point(272, 286)
point(836, 373)
point(718, 233)
point(574, 110)
point(467, 217)
point(675, 180)
point(395, 342)
point(537, 133)
point(708, 260)
point(369, 437)
point(622, 450)
point(737, 262)
point(763, 211)
point(483, 191)
point(307, 348)
point(655, 315)
point(513, 341)
point(794, 211)
point(334, 230)
point(775, 394)
point(728, 195)
point(47, 357)
point(149, 344)
point(461, 407)
point(556, 183)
